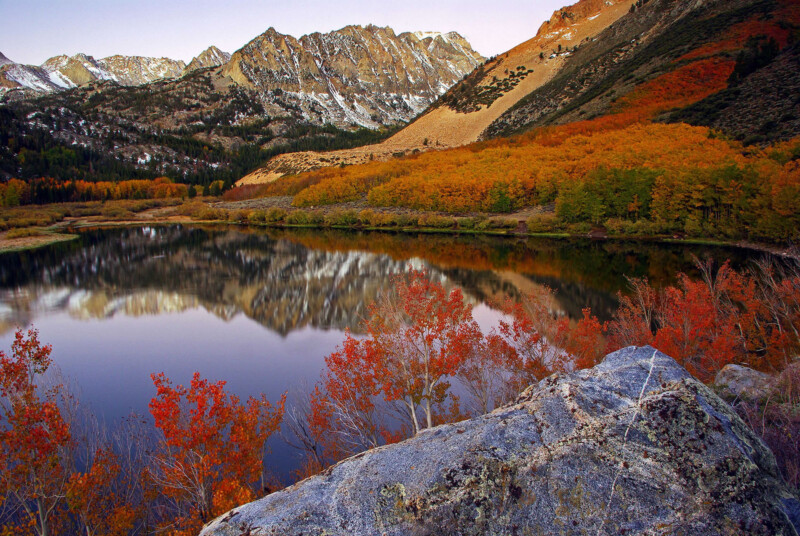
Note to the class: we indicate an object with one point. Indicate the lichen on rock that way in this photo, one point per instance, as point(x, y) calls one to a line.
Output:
point(632, 446)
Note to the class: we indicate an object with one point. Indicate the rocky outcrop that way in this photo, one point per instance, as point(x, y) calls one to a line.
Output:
point(738, 382)
point(633, 446)
point(358, 75)
point(210, 57)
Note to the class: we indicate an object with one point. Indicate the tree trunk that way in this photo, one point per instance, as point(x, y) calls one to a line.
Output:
point(42, 519)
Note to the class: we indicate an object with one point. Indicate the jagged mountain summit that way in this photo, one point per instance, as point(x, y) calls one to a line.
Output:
point(363, 76)
point(66, 72)
point(210, 57)
point(359, 75)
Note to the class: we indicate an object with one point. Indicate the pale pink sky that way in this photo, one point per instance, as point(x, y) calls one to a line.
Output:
point(32, 31)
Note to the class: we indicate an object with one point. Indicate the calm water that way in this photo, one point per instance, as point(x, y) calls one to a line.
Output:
point(261, 309)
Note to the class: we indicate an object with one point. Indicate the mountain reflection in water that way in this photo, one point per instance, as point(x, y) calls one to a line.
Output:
point(261, 309)
point(287, 280)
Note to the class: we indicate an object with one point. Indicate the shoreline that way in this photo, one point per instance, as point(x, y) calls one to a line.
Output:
point(46, 237)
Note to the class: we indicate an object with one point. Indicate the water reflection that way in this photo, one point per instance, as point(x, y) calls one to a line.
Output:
point(288, 280)
point(261, 309)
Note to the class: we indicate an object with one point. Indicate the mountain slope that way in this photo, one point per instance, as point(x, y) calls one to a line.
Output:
point(471, 106)
point(666, 54)
point(459, 117)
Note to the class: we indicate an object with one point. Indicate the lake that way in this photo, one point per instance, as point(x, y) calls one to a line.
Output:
point(262, 308)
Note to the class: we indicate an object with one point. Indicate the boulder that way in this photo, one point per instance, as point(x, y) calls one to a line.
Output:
point(736, 381)
point(633, 446)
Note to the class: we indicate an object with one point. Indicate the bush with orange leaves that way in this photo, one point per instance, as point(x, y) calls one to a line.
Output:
point(34, 439)
point(210, 456)
point(749, 318)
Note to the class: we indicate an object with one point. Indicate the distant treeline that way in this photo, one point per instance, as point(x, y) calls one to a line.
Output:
point(43, 191)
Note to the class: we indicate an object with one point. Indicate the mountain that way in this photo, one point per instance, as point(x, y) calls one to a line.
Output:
point(727, 64)
point(367, 76)
point(210, 57)
point(130, 117)
point(595, 59)
point(65, 72)
point(616, 141)
point(461, 115)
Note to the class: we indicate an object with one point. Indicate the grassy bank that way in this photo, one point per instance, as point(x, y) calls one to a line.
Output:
point(35, 226)
point(31, 238)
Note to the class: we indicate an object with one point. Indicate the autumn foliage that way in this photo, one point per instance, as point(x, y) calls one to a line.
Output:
point(422, 361)
point(45, 190)
point(34, 436)
point(211, 452)
point(750, 318)
point(421, 346)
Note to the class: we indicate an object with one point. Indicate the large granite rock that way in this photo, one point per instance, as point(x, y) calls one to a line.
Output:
point(738, 382)
point(632, 446)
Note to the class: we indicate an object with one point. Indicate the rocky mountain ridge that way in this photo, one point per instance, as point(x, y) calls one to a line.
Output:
point(65, 72)
point(367, 76)
point(210, 57)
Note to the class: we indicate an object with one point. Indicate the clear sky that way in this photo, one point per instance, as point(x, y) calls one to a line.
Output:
point(32, 31)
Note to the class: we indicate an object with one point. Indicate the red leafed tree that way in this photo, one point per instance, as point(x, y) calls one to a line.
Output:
point(211, 456)
point(33, 435)
point(540, 342)
point(752, 318)
point(417, 339)
point(96, 501)
point(419, 336)
point(345, 413)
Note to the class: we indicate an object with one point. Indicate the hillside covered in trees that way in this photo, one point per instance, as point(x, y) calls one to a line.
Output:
point(652, 137)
